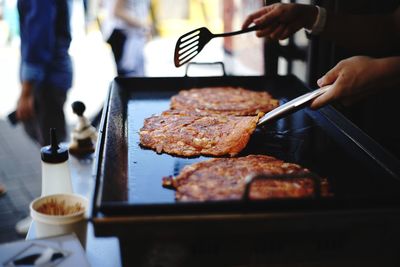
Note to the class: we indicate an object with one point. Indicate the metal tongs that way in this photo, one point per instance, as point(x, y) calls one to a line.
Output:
point(292, 106)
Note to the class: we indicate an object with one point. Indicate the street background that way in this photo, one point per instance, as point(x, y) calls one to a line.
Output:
point(94, 70)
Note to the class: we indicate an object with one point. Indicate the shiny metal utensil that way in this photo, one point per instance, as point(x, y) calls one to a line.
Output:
point(292, 106)
point(191, 43)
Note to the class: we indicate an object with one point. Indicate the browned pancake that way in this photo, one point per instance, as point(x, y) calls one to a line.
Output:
point(224, 100)
point(224, 179)
point(193, 135)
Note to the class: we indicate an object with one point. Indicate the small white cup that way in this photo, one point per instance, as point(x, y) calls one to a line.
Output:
point(53, 225)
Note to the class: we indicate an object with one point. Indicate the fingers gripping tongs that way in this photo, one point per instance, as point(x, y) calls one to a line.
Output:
point(292, 106)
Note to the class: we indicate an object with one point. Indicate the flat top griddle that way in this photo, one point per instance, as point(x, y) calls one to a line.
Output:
point(128, 177)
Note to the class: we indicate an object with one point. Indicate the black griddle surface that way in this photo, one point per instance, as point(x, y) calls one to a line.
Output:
point(361, 173)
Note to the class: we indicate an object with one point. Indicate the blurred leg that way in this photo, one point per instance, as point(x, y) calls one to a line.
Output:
point(50, 113)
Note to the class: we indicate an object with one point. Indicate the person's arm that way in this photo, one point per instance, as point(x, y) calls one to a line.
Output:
point(279, 21)
point(356, 77)
point(37, 44)
point(362, 33)
point(25, 105)
point(120, 12)
point(38, 38)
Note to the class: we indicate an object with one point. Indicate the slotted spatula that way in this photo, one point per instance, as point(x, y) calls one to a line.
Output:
point(191, 43)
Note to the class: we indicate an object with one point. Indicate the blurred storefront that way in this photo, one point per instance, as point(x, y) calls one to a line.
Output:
point(242, 53)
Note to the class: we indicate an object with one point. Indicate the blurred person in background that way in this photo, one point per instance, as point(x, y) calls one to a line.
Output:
point(45, 71)
point(366, 84)
point(126, 28)
point(2, 190)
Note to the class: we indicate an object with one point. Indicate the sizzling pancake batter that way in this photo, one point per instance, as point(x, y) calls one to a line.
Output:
point(224, 179)
point(191, 134)
point(224, 100)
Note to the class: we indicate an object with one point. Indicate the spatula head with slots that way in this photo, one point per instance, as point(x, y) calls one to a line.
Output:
point(190, 44)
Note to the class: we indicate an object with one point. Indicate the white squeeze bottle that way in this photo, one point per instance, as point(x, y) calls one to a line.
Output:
point(56, 176)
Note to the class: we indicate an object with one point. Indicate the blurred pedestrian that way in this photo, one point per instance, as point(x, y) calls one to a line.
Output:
point(127, 28)
point(45, 70)
point(2, 190)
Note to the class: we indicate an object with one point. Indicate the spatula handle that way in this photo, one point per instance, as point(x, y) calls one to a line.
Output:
point(249, 29)
point(293, 105)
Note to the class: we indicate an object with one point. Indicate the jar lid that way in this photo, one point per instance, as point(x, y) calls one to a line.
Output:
point(54, 153)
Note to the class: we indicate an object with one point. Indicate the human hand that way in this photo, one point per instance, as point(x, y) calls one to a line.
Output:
point(146, 26)
point(25, 107)
point(352, 79)
point(279, 21)
point(147, 29)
